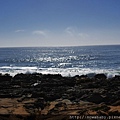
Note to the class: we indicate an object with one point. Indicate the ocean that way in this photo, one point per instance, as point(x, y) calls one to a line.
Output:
point(67, 61)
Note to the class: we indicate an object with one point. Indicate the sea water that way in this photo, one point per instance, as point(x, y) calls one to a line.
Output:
point(67, 61)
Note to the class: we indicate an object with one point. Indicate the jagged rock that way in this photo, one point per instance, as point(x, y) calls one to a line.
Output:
point(6, 77)
point(81, 77)
point(117, 77)
point(52, 96)
point(60, 104)
point(36, 94)
point(114, 113)
point(51, 87)
point(100, 76)
point(116, 103)
point(22, 98)
point(95, 98)
point(40, 103)
point(5, 95)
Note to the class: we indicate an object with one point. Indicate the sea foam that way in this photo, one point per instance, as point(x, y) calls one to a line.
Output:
point(63, 71)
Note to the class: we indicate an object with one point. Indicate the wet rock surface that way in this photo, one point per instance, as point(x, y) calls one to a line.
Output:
point(47, 89)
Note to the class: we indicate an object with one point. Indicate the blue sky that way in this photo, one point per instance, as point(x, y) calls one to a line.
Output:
point(59, 22)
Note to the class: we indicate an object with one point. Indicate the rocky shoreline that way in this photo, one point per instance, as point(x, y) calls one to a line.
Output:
point(38, 96)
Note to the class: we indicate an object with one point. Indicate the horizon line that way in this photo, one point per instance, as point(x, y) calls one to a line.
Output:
point(59, 46)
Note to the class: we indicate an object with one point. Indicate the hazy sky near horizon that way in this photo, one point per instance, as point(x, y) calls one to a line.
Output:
point(59, 22)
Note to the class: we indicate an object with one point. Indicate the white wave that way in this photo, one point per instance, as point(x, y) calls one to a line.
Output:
point(17, 68)
point(63, 71)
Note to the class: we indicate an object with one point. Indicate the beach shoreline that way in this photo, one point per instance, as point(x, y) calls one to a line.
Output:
point(48, 96)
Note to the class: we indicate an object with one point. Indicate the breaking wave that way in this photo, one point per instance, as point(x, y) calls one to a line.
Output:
point(63, 71)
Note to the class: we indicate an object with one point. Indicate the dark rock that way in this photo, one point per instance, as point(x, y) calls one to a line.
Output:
point(117, 103)
point(51, 87)
point(83, 77)
point(117, 77)
point(22, 98)
point(5, 96)
point(60, 104)
point(95, 98)
point(40, 103)
point(69, 82)
point(114, 113)
point(52, 96)
point(100, 76)
point(6, 77)
point(29, 107)
point(36, 94)
point(103, 107)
